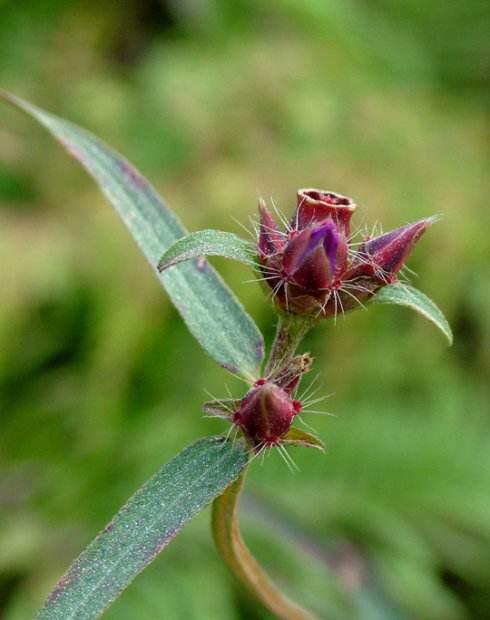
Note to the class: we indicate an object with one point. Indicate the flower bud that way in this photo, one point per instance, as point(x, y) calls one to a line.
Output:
point(383, 256)
point(265, 414)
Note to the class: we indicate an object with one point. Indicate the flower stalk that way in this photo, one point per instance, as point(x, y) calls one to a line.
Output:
point(244, 566)
point(291, 330)
point(224, 523)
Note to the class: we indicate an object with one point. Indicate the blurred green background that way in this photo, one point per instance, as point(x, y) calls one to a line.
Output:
point(100, 383)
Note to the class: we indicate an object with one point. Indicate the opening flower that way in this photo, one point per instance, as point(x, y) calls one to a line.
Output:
point(314, 268)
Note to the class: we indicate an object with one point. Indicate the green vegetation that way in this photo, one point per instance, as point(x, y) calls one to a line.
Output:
point(215, 102)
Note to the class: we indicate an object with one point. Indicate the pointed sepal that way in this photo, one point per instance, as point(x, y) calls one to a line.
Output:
point(270, 238)
point(297, 437)
point(223, 408)
point(388, 252)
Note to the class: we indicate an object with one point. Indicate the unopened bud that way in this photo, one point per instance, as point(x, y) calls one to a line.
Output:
point(265, 414)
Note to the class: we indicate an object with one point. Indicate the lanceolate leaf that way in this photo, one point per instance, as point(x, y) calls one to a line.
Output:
point(404, 295)
point(207, 243)
point(209, 308)
point(143, 527)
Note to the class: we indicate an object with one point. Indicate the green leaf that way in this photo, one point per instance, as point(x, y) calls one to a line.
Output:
point(209, 308)
point(143, 527)
point(297, 437)
point(404, 295)
point(207, 243)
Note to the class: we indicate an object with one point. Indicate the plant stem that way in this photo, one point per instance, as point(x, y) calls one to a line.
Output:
point(290, 332)
point(230, 544)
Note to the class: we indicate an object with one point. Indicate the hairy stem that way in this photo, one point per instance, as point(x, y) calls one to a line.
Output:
point(230, 544)
point(290, 332)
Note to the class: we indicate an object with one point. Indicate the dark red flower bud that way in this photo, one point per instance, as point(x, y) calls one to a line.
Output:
point(265, 414)
point(383, 256)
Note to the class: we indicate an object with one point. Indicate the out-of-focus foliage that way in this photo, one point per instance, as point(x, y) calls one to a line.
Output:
point(99, 381)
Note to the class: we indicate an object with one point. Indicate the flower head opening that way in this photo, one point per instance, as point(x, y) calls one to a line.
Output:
point(314, 269)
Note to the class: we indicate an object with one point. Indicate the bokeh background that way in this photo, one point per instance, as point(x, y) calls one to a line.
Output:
point(100, 383)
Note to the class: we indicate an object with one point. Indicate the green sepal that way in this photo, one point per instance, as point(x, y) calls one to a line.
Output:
point(297, 437)
point(223, 408)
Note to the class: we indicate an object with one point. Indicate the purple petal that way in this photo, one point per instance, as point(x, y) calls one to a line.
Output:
point(302, 246)
point(331, 244)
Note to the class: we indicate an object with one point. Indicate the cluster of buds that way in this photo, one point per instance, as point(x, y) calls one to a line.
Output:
point(315, 269)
